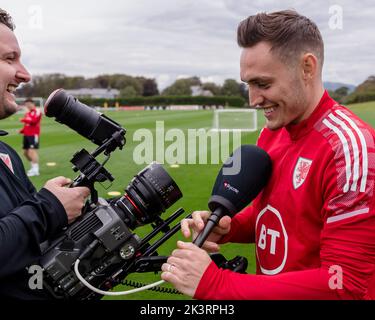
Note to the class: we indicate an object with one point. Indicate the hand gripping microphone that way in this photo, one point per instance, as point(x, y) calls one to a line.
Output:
point(232, 192)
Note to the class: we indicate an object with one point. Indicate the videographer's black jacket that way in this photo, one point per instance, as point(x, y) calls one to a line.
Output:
point(27, 218)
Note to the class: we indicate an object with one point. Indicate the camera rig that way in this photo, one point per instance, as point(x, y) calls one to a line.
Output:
point(102, 238)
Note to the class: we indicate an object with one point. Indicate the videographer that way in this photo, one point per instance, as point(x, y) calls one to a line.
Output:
point(27, 217)
point(313, 224)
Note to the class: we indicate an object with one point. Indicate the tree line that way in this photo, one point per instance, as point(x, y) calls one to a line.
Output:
point(362, 93)
point(128, 86)
point(136, 88)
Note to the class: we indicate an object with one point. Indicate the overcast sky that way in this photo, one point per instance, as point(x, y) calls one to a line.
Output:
point(168, 39)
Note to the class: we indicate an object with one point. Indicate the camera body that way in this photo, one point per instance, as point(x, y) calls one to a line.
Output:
point(112, 246)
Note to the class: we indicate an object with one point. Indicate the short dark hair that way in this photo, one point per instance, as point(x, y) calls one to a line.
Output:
point(6, 19)
point(29, 100)
point(288, 32)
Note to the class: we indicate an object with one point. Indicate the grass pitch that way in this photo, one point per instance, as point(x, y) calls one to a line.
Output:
point(59, 143)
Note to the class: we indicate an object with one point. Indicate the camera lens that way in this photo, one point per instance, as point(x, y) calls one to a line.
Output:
point(149, 194)
point(80, 117)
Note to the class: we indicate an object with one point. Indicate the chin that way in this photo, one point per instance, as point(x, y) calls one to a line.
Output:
point(10, 108)
point(272, 126)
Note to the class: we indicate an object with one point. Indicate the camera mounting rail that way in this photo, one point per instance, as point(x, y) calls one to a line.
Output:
point(149, 262)
point(91, 170)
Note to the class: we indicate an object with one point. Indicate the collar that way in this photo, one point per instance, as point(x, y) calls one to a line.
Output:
point(3, 133)
point(298, 130)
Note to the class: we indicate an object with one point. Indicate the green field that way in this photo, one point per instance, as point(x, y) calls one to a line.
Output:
point(59, 143)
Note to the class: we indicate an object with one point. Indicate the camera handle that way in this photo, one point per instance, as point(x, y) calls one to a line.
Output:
point(90, 169)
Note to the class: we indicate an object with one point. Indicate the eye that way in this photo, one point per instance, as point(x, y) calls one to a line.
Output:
point(263, 85)
point(10, 59)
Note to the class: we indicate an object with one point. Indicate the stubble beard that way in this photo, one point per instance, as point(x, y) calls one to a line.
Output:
point(7, 108)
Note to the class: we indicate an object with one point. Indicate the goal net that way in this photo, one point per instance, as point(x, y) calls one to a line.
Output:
point(235, 119)
point(38, 101)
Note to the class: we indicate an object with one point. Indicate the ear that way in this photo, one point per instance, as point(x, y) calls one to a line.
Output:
point(309, 66)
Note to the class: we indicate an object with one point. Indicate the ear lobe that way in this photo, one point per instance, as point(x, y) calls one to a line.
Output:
point(309, 65)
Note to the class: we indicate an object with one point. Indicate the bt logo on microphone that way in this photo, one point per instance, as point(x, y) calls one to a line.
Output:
point(229, 187)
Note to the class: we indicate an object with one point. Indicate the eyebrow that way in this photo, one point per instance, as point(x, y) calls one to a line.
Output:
point(258, 79)
point(11, 52)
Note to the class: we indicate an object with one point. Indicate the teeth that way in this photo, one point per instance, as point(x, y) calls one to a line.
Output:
point(11, 88)
point(269, 110)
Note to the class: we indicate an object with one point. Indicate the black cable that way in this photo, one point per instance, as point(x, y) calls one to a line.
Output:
point(136, 284)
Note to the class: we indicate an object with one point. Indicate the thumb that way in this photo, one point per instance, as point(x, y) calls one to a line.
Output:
point(225, 222)
point(84, 191)
point(61, 181)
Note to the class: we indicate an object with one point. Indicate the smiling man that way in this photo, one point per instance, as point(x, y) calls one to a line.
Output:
point(286, 95)
point(313, 225)
point(27, 218)
point(13, 73)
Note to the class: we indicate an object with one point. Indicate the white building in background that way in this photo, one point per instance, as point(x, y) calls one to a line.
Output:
point(198, 91)
point(95, 93)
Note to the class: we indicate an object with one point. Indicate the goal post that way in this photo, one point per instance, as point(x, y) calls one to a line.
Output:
point(235, 119)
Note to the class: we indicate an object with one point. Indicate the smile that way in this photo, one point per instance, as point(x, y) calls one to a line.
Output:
point(11, 88)
point(269, 110)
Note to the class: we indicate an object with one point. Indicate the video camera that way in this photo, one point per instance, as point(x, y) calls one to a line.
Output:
point(102, 238)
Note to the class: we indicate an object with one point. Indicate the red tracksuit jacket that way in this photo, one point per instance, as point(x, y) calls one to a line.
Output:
point(31, 122)
point(314, 223)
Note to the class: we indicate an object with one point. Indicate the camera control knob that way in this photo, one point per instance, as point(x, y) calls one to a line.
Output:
point(127, 251)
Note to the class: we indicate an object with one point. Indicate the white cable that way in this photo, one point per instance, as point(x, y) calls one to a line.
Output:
point(106, 293)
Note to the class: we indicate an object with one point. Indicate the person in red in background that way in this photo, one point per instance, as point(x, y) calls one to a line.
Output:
point(313, 224)
point(31, 134)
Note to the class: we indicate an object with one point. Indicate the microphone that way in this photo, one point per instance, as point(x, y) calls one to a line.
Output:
point(232, 192)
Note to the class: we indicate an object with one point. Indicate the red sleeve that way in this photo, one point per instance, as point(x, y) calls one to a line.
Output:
point(227, 285)
point(345, 273)
point(32, 117)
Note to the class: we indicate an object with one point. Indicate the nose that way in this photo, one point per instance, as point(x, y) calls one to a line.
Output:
point(255, 97)
point(22, 74)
